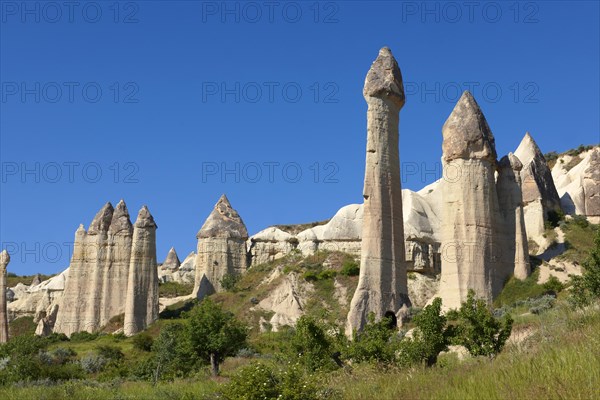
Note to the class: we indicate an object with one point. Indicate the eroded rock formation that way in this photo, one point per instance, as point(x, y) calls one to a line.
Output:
point(382, 286)
point(515, 249)
point(591, 188)
point(141, 304)
point(4, 260)
point(221, 248)
point(470, 206)
point(539, 192)
point(172, 261)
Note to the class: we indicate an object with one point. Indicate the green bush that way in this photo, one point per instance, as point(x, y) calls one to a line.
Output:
point(586, 288)
point(553, 284)
point(111, 353)
point(310, 276)
point(259, 381)
point(229, 281)
point(350, 268)
point(378, 342)
point(326, 274)
point(431, 336)
point(554, 218)
point(174, 289)
point(313, 346)
point(142, 341)
point(478, 330)
point(84, 336)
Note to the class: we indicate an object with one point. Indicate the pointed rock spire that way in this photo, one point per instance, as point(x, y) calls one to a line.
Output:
point(4, 260)
point(172, 260)
point(528, 149)
point(223, 222)
point(466, 132)
point(102, 220)
point(120, 220)
point(591, 187)
point(145, 219)
point(384, 79)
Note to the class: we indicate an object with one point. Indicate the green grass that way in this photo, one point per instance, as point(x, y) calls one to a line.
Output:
point(175, 289)
point(13, 280)
point(579, 240)
point(561, 361)
point(516, 289)
point(21, 326)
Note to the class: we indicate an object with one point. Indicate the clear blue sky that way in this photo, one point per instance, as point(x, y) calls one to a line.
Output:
point(189, 88)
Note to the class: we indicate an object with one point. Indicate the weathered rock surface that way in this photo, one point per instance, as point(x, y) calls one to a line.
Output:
point(382, 283)
point(286, 301)
point(4, 260)
point(79, 308)
point(172, 261)
point(539, 192)
point(221, 247)
point(116, 267)
point(515, 251)
point(270, 244)
point(591, 187)
point(470, 206)
point(141, 304)
point(184, 274)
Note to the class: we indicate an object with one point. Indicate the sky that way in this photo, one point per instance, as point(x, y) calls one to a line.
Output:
point(170, 104)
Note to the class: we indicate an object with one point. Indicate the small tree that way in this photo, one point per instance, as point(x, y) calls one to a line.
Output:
point(431, 336)
point(478, 330)
point(377, 342)
point(215, 334)
point(586, 288)
point(313, 346)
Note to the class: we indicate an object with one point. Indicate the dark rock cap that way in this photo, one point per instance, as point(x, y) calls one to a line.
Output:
point(223, 222)
point(510, 161)
point(384, 79)
point(466, 132)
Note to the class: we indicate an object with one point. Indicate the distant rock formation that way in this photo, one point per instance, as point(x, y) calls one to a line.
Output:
point(79, 309)
point(270, 244)
point(470, 212)
point(221, 248)
point(97, 283)
point(515, 250)
point(591, 188)
point(382, 286)
point(37, 279)
point(172, 261)
point(141, 304)
point(539, 192)
point(4, 260)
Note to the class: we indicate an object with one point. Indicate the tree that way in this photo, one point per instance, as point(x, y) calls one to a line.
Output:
point(431, 336)
point(215, 334)
point(478, 330)
point(586, 288)
point(313, 346)
point(378, 341)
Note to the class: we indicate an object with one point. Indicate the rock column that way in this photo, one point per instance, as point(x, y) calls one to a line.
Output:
point(382, 287)
point(4, 260)
point(510, 199)
point(141, 305)
point(221, 248)
point(470, 207)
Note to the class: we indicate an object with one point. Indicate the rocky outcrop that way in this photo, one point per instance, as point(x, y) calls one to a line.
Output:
point(115, 270)
point(79, 308)
point(539, 192)
point(221, 247)
point(141, 304)
point(286, 302)
point(382, 286)
point(515, 251)
point(591, 188)
point(4, 260)
point(184, 274)
point(269, 245)
point(470, 206)
point(172, 261)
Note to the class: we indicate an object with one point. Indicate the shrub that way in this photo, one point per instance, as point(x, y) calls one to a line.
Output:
point(111, 353)
point(430, 338)
point(586, 288)
point(310, 276)
point(143, 342)
point(174, 289)
point(84, 336)
point(260, 381)
point(350, 268)
point(92, 363)
point(378, 342)
point(553, 285)
point(312, 346)
point(478, 330)
point(326, 274)
point(555, 217)
point(229, 281)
